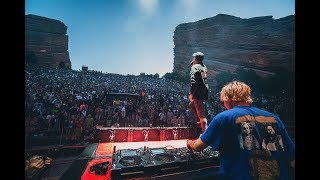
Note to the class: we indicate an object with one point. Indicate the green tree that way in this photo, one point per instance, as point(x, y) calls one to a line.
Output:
point(156, 75)
point(176, 76)
point(223, 78)
point(62, 65)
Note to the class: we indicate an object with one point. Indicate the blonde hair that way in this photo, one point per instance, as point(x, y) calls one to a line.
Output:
point(236, 91)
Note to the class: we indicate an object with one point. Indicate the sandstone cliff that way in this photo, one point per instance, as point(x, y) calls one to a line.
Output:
point(46, 42)
point(261, 43)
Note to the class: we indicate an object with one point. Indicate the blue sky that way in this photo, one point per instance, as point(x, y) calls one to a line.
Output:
point(134, 36)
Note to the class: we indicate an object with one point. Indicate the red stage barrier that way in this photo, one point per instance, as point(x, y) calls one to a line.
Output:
point(138, 134)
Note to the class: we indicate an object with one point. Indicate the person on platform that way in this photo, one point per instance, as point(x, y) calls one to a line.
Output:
point(199, 88)
point(222, 134)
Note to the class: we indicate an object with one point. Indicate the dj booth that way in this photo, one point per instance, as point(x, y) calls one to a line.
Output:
point(138, 134)
point(144, 153)
point(144, 160)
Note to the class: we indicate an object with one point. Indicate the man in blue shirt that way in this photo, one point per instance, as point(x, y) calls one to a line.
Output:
point(238, 134)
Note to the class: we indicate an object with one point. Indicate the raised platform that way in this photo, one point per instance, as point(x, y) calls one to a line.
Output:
point(138, 134)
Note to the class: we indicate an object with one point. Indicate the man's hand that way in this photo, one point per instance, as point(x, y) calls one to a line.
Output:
point(189, 144)
point(293, 163)
point(37, 162)
point(48, 161)
point(196, 145)
point(36, 165)
point(191, 97)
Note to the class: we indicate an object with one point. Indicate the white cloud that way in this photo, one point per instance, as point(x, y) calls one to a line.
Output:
point(148, 6)
point(147, 9)
point(189, 4)
point(190, 8)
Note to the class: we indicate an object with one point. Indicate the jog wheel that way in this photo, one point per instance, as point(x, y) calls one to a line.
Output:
point(130, 161)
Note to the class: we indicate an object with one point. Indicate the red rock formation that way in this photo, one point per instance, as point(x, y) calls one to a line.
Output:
point(46, 42)
point(263, 44)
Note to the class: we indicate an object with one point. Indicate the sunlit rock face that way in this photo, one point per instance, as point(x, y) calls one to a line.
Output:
point(46, 42)
point(263, 44)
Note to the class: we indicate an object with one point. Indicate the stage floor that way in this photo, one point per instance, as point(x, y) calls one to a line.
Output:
point(108, 148)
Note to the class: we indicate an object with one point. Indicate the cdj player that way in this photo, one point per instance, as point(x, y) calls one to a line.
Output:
point(126, 158)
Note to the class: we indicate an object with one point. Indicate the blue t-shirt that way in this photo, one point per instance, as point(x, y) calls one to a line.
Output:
point(253, 143)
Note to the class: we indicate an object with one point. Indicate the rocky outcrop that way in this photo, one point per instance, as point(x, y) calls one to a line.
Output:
point(46, 42)
point(263, 44)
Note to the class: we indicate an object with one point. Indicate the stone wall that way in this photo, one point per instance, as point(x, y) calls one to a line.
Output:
point(46, 42)
point(263, 44)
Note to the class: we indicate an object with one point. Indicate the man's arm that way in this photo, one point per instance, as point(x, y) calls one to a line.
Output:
point(190, 97)
point(196, 145)
point(212, 136)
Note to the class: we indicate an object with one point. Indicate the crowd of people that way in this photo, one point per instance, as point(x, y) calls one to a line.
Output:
point(69, 104)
